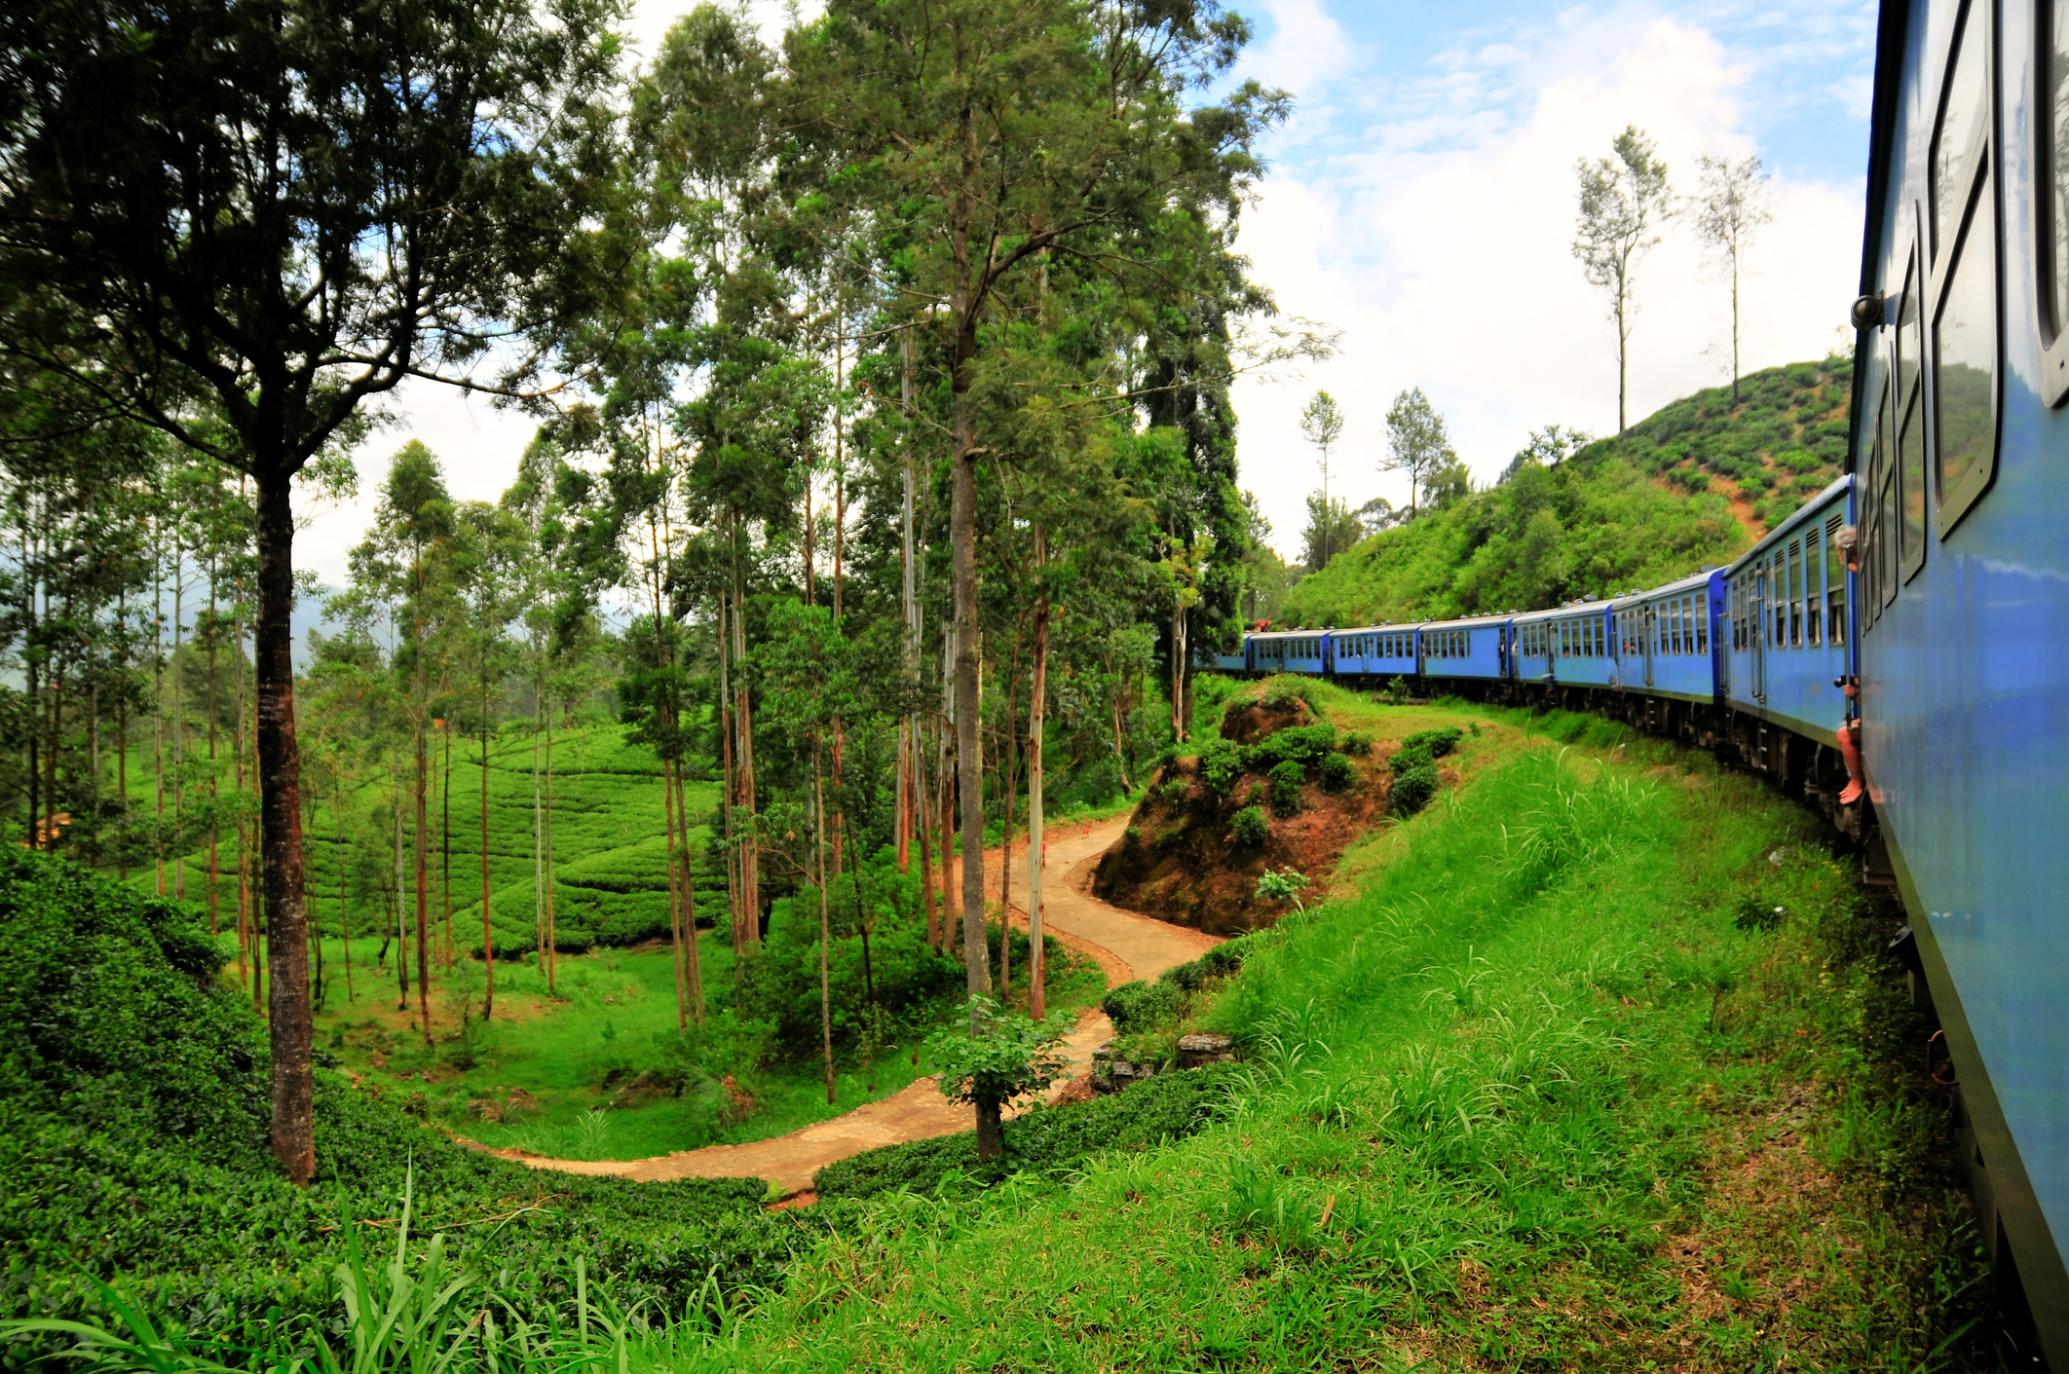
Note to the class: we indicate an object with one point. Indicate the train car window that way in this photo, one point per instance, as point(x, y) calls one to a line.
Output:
point(1964, 323)
point(2051, 196)
point(1910, 464)
point(1813, 597)
point(1959, 140)
point(1795, 594)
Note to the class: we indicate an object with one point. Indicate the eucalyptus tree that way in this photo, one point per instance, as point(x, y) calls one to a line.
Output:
point(1730, 209)
point(1004, 130)
point(1624, 198)
point(291, 212)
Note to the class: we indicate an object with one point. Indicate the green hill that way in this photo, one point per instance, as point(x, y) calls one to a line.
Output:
point(1692, 486)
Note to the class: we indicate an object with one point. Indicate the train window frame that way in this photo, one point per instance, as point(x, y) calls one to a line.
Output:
point(2051, 200)
point(1980, 191)
point(1906, 389)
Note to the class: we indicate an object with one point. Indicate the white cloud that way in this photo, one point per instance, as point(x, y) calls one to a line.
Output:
point(1306, 50)
point(1446, 261)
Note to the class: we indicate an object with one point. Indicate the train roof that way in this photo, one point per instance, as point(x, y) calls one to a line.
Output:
point(1677, 588)
point(1816, 508)
point(1288, 634)
point(1375, 629)
point(1471, 622)
point(1555, 612)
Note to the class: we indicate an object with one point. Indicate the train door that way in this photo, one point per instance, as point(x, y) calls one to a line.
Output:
point(1761, 596)
point(1649, 617)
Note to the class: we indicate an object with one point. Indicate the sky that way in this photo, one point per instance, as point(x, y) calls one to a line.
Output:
point(1419, 203)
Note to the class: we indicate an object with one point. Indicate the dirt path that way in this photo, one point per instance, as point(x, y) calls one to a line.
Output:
point(1125, 944)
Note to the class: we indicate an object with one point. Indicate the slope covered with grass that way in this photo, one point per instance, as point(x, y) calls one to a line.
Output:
point(1691, 486)
point(1599, 1070)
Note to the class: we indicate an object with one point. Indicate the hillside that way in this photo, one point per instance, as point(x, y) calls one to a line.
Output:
point(1691, 486)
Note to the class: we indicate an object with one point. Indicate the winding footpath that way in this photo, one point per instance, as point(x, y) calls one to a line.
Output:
point(1125, 944)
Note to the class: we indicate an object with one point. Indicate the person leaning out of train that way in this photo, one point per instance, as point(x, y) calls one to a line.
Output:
point(1849, 733)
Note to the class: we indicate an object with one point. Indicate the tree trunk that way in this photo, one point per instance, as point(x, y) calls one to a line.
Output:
point(1036, 702)
point(675, 931)
point(919, 791)
point(538, 823)
point(840, 525)
point(247, 910)
point(488, 947)
point(743, 720)
point(552, 930)
point(344, 898)
point(910, 770)
point(689, 899)
point(290, 1027)
point(215, 820)
point(445, 841)
point(1734, 324)
point(401, 922)
point(179, 720)
point(421, 844)
point(962, 526)
point(727, 784)
point(825, 920)
point(991, 1136)
point(1006, 791)
point(158, 718)
point(31, 664)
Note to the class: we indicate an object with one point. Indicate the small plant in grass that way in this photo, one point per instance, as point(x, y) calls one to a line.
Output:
point(1250, 829)
point(1287, 779)
point(1436, 743)
point(1395, 693)
point(1335, 773)
point(1282, 887)
point(1357, 744)
point(998, 1058)
point(1413, 789)
point(1411, 756)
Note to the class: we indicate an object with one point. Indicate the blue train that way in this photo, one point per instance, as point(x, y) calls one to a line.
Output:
point(1906, 632)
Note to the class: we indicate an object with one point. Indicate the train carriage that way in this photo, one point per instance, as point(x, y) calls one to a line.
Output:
point(1475, 649)
point(1288, 651)
point(1373, 651)
point(1573, 646)
point(1961, 455)
point(1667, 643)
point(1785, 627)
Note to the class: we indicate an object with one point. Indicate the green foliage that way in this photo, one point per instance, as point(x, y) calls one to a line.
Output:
point(1395, 693)
point(133, 1111)
point(1287, 779)
point(1138, 1005)
point(1634, 510)
point(1357, 743)
point(1282, 887)
point(1249, 827)
point(996, 1057)
point(1435, 743)
point(1045, 1140)
point(1222, 765)
point(1218, 962)
point(1281, 690)
point(1302, 744)
point(1413, 789)
point(1335, 773)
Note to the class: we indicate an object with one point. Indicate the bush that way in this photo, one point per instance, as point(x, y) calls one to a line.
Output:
point(1357, 744)
point(1138, 1005)
point(1395, 693)
point(1287, 779)
point(1283, 689)
point(1413, 789)
point(1303, 744)
point(1221, 766)
point(1411, 756)
point(1335, 773)
point(1250, 829)
point(1153, 1112)
point(1436, 743)
point(1218, 962)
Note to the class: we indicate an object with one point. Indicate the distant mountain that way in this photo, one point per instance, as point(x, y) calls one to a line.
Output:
point(1689, 487)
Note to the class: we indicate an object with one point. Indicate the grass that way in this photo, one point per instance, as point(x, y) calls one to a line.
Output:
point(1532, 1100)
point(1539, 1095)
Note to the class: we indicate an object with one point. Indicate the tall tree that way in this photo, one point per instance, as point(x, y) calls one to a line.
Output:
point(1623, 200)
point(1417, 442)
point(289, 213)
point(1321, 424)
point(1730, 208)
point(1008, 130)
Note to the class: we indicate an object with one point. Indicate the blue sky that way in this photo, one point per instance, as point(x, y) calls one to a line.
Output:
point(1420, 204)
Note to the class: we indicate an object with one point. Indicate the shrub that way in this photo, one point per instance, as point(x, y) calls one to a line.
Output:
point(1395, 693)
point(1335, 773)
point(1437, 743)
point(1138, 1005)
point(1218, 962)
point(1413, 790)
point(1287, 779)
point(1357, 744)
point(1303, 744)
point(1153, 1112)
point(1250, 829)
point(1221, 765)
point(1282, 886)
point(1411, 756)
point(1283, 689)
